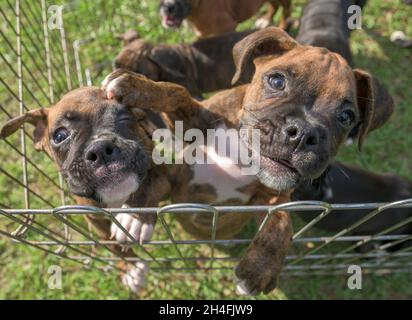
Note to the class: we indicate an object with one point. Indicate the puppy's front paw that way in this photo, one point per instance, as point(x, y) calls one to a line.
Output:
point(259, 269)
point(262, 23)
point(253, 280)
point(135, 276)
point(138, 229)
point(126, 87)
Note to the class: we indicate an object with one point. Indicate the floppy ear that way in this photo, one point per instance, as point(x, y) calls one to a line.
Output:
point(267, 41)
point(37, 117)
point(169, 61)
point(374, 102)
point(174, 68)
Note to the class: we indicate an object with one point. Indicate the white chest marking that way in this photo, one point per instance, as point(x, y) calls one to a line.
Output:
point(224, 174)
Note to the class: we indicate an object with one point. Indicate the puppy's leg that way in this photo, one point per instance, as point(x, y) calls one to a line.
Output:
point(259, 269)
point(174, 100)
point(267, 19)
point(140, 226)
point(134, 273)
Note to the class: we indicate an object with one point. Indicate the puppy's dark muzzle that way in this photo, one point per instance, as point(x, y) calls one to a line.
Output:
point(301, 136)
point(177, 10)
point(102, 152)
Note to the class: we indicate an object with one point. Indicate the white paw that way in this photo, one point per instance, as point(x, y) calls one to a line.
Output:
point(135, 277)
point(110, 86)
point(139, 231)
point(262, 23)
point(242, 290)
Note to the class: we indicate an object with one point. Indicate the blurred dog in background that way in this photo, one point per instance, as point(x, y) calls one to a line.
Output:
point(220, 16)
point(203, 66)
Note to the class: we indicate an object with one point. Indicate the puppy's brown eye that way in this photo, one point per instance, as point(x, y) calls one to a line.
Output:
point(346, 117)
point(277, 82)
point(60, 135)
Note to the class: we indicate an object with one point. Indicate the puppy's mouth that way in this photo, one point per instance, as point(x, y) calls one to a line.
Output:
point(277, 173)
point(171, 22)
point(117, 188)
point(277, 164)
point(112, 171)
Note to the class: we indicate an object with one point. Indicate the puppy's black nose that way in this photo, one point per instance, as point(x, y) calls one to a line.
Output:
point(102, 152)
point(170, 8)
point(301, 135)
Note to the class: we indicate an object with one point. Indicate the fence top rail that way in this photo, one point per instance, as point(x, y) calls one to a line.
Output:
point(192, 208)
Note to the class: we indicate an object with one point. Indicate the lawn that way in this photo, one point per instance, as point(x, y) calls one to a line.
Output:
point(24, 270)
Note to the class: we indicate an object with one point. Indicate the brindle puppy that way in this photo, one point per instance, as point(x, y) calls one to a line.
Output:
point(103, 149)
point(304, 100)
point(304, 118)
point(203, 66)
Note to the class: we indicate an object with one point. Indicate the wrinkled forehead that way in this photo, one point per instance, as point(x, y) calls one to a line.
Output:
point(87, 102)
point(317, 71)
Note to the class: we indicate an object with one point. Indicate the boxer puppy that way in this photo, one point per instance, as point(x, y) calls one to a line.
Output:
point(212, 18)
point(304, 100)
point(103, 150)
point(307, 125)
point(344, 183)
point(204, 66)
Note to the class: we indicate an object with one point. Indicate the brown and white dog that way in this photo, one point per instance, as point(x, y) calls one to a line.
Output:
point(304, 100)
point(203, 66)
point(218, 17)
point(302, 120)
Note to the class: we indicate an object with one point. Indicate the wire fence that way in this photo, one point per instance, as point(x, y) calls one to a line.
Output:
point(68, 238)
point(39, 65)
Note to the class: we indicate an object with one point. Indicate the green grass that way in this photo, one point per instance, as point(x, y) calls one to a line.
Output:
point(23, 270)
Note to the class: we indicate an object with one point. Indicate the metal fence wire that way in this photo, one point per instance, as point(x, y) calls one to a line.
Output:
point(39, 65)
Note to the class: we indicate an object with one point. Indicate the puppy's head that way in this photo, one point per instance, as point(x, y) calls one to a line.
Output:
point(96, 143)
point(305, 101)
point(173, 12)
point(158, 63)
